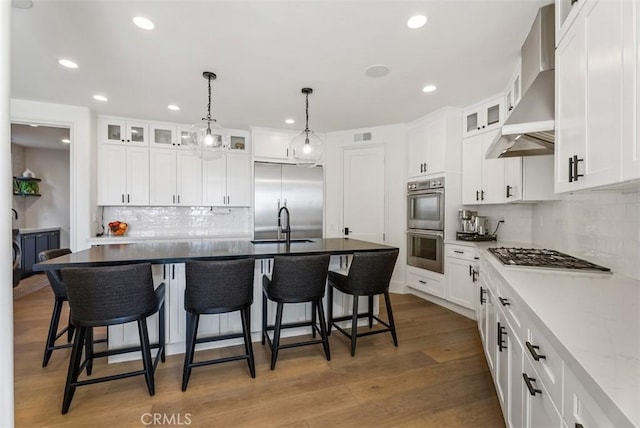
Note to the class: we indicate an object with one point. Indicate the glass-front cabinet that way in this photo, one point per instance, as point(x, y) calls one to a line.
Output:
point(483, 117)
point(163, 135)
point(120, 131)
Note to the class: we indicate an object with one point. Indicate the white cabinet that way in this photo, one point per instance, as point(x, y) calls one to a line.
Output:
point(426, 281)
point(123, 175)
point(175, 178)
point(566, 13)
point(482, 179)
point(594, 90)
point(514, 91)
point(631, 143)
point(435, 144)
point(540, 411)
point(227, 181)
point(271, 144)
point(529, 178)
point(122, 131)
point(461, 273)
point(484, 116)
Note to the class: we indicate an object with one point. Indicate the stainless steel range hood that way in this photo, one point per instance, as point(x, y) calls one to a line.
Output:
point(529, 130)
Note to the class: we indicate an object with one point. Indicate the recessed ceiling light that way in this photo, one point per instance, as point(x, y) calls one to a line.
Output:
point(143, 23)
point(429, 88)
point(173, 107)
point(66, 140)
point(290, 121)
point(377, 70)
point(34, 125)
point(100, 98)
point(67, 63)
point(416, 21)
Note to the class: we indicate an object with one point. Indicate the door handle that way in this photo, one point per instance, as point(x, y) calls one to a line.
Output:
point(509, 191)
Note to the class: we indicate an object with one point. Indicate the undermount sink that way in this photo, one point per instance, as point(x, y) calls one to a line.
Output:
point(280, 241)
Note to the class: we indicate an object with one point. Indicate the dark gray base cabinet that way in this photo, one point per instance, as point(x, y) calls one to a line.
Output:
point(33, 244)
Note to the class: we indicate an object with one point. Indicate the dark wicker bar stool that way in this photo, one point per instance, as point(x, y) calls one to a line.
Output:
point(295, 279)
point(217, 287)
point(369, 275)
point(103, 296)
point(60, 296)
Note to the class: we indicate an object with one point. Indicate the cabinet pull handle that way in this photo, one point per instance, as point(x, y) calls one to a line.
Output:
point(128, 198)
point(509, 191)
point(474, 276)
point(421, 168)
point(533, 351)
point(458, 252)
point(570, 170)
point(533, 391)
point(164, 272)
point(228, 200)
point(173, 271)
point(174, 199)
point(287, 152)
point(422, 282)
point(477, 195)
point(178, 199)
point(504, 301)
point(261, 267)
point(269, 266)
point(483, 300)
point(122, 197)
point(470, 270)
point(575, 168)
point(501, 332)
point(482, 192)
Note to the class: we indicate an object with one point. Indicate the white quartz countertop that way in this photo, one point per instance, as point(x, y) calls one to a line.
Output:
point(103, 240)
point(595, 318)
point(25, 230)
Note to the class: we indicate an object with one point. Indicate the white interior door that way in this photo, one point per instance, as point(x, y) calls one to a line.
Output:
point(364, 193)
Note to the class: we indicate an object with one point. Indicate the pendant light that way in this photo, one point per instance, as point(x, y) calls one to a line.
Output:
point(306, 147)
point(207, 139)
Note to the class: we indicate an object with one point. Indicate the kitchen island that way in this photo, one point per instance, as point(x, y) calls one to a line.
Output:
point(168, 260)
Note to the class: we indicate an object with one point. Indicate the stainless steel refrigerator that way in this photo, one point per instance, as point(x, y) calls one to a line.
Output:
point(296, 187)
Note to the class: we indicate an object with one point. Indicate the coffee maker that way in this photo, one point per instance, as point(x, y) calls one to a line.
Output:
point(473, 227)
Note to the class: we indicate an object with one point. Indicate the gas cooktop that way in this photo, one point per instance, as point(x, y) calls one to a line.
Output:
point(543, 258)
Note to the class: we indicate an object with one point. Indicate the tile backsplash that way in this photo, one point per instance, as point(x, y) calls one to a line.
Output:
point(517, 221)
point(602, 227)
point(179, 221)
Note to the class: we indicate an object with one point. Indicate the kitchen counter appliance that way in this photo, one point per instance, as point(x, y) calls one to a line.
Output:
point(473, 227)
point(544, 259)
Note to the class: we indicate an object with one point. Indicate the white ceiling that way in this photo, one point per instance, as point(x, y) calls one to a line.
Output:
point(264, 52)
point(41, 137)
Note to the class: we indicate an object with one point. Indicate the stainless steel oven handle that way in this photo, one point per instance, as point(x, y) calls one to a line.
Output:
point(421, 233)
point(425, 192)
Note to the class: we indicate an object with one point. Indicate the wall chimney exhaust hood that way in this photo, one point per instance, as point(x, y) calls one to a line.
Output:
point(529, 130)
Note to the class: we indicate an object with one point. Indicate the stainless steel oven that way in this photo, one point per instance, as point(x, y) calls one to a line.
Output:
point(425, 249)
point(425, 204)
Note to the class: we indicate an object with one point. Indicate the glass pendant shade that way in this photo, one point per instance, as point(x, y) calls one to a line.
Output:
point(208, 140)
point(306, 149)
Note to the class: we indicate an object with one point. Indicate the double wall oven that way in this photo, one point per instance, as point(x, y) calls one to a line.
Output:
point(425, 224)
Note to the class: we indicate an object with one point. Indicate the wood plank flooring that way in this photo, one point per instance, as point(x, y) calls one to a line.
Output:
point(436, 377)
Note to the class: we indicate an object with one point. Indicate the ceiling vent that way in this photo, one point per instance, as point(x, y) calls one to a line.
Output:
point(362, 136)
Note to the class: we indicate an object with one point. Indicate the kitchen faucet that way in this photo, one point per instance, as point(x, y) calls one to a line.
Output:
point(286, 230)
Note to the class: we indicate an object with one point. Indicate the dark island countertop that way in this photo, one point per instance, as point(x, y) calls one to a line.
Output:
point(179, 252)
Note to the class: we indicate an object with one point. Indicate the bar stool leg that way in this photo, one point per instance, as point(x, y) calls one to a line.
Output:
point(161, 332)
point(329, 310)
point(74, 368)
point(53, 331)
point(323, 330)
point(88, 349)
point(248, 347)
point(370, 312)
point(264, 317)
point(146, 355)
point(314, 308)
point(70, 330)
point(190, 346)
point(276, 335)
point(392, 324)
point(354, 325)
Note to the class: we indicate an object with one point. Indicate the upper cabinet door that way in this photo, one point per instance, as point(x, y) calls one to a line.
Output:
point(214, 185)
point(162, 177)
point(272, 144)
point(484, 116)
point(163, 135)
point(189, 179)
point(182, 137)
point(238, 180)
point(119, 131)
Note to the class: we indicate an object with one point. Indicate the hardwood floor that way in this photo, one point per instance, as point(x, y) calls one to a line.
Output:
point(436, 377)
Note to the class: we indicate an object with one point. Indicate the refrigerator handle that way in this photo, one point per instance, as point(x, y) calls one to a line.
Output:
point(285, 202)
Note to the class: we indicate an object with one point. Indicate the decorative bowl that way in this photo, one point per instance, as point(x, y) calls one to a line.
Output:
point(118, 228)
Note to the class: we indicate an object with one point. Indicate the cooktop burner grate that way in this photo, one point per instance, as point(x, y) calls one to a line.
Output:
point(543, 258)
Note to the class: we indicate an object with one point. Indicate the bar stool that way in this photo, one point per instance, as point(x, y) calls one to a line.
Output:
point(217, 287)
point(60, 296)
point(369, 275)
point(295, 279)
point(104, 296)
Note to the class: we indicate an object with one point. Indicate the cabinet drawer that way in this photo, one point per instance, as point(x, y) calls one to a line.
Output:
point(511, 308)
point(580, 408)
point(462, 252)
point(548, 364)
point(425, 284)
